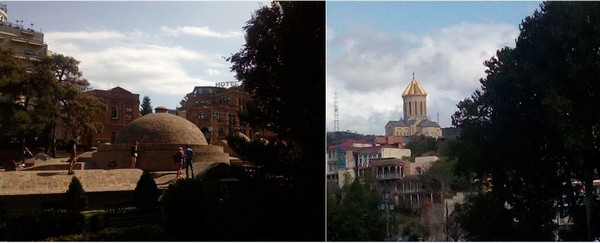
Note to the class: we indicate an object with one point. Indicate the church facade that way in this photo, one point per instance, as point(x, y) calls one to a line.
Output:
point(415, 120)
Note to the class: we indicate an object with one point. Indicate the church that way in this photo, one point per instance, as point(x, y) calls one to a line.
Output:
point(415, 120)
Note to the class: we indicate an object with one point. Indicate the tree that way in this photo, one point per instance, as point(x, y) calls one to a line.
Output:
point(353, 214)
point(146, 106)
point(453, 229)
point(48, 93)
point(283, 56)
point(442, 171)
point(75, 198)
point(81, 112)
point(15, 118)
point(146, 192)
point(421, 144)
point(182, 103)
point(572, 86)
point(484, 218)
point(282, 61)
point(533, 125)
point(64, 83)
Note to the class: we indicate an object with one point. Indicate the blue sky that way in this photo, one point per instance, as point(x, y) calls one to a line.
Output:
point(164, 49)
point(374, 47)
point(159, 49)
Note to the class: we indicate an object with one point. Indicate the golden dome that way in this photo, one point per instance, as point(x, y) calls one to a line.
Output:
point(414, 88)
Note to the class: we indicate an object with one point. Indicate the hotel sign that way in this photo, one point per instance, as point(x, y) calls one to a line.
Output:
point(227, 84)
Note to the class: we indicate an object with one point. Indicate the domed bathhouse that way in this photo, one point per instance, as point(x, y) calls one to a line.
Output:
point(159, 135)
point(106, 174)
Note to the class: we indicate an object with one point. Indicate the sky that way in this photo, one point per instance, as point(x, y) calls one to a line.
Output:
point(157, 49)
point(373, 48)
point(164, 49)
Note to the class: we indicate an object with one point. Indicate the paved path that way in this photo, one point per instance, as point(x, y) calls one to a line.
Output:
point(36, 180)
point(50, 182)
point(49, 176)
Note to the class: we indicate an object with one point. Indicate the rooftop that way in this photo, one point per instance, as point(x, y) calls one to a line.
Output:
point(414, 88)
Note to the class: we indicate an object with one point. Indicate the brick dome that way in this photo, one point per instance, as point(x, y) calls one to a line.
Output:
point(161, 128)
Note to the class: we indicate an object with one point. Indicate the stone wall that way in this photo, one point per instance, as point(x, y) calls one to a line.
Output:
point(36, 202)
point(153, 157)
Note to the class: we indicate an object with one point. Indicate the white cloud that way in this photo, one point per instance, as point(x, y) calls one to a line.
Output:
point(370, 70)
point(199, 31)
point(138, 33)
point(213, 72)
point(148, 67)
point(159, 71)
point(57, 37)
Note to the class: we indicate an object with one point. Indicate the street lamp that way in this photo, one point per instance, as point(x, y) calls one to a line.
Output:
point(211, 118)
point(386, 205)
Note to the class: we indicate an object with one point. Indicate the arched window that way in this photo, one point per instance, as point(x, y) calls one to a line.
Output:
point(410, 108)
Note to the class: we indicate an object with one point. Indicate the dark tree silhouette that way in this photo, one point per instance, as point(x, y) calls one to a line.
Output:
point(75, 198)
point(146, 106)
point(533, 126)
point(282, 61)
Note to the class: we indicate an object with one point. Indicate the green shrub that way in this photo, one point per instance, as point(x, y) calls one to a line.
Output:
point(206, 209)
point(40, 225)
point(75, 198)
point(251, 208)
point(146, 192)
point(136, 233)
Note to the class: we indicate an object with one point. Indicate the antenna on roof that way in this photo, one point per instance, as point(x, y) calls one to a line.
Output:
point(336, 118)
point(438, 118)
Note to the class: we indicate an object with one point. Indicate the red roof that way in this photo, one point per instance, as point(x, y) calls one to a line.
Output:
point(349, 142)
point(389, 139)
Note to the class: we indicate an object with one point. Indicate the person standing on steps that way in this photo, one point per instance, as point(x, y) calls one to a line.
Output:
point(188, 158)
point(72, 148)
point(134, 154)
point(178, 158)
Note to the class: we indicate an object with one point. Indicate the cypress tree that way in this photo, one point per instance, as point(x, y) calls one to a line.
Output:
point(75, 198)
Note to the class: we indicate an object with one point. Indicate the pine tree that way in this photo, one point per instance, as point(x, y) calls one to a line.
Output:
point(146, 106)
point(75, 198)
point(182, 103)
point(146, 192)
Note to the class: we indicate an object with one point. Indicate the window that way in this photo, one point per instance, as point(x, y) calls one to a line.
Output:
point(202, 116)
point(113, 137)
point(419, 170)
point(114, 113)
point(29, 53)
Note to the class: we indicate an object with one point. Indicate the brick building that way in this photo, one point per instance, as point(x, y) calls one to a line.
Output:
point(122, 107)
point(215, 110)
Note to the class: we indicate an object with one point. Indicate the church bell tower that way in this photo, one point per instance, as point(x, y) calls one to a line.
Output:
point(415, 101)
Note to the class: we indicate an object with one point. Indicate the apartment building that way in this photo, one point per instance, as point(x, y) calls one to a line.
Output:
point(26, 43)
point(215, 110)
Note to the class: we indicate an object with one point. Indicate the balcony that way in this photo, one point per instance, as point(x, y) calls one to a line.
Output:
point(392, 176)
